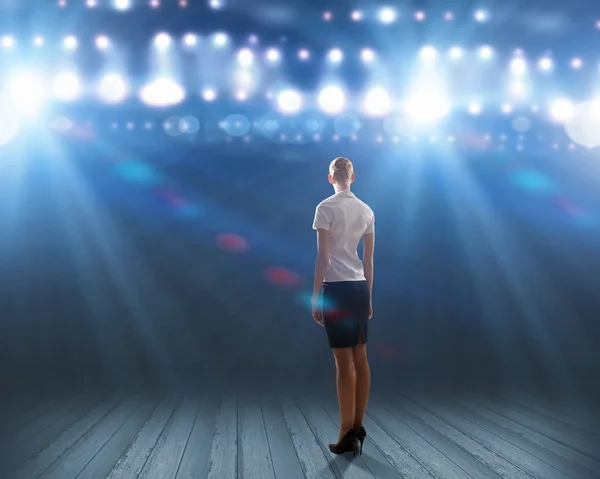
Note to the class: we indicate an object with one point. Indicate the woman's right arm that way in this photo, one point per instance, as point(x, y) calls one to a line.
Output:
point(368, 251)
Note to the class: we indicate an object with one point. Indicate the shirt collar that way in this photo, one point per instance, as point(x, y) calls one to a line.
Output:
point(345, 193)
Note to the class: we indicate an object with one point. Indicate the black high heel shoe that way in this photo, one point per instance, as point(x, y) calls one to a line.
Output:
point(348, 443)
point(361, 435)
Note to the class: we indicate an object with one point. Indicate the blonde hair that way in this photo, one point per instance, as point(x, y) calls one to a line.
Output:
point(341, 169)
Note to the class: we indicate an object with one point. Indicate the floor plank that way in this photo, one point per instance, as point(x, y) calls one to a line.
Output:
point(46, 458)
point(510, 446)
point(134, 459)
point(267, 436)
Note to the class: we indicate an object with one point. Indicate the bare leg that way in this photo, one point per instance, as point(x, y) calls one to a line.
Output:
point(345, 388)
point(363, 383)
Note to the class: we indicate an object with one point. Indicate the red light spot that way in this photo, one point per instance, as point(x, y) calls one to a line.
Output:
point(280, 276)
point(233, 243)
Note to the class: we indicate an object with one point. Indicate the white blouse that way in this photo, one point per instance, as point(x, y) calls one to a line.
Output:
point(347, 219)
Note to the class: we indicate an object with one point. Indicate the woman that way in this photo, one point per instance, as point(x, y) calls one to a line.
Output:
point(345, 284)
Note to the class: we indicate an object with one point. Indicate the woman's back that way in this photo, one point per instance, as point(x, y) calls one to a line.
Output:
point(347, 219)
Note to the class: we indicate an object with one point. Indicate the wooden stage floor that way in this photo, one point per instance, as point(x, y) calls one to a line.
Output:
point(150, 436)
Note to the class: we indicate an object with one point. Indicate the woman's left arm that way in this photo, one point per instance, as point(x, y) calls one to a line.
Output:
point(320, 269)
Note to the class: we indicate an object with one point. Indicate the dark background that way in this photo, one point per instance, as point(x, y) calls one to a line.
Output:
point(114, 270)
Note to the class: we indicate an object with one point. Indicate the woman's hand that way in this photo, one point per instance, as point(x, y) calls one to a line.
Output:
point(317, 313)
point(370, 310)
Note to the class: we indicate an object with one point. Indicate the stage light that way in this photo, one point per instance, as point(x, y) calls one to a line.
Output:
point(387, 15)
point(356, 15)
point(102, 42)
point(598, 24)
point(545, 63)
point(289, 101)
point(241, 95)
point(303, 54)
point(122, 4)
point(216, 4)
point(190, 40)
point(518, 66)
point(209, 94)
point(154, 3)
point(38, 41)
point(517, 88)
point(67, 86)
point(62, 3)
point(485, 52)
point(8, 42)
point(332, 99)
point(335, 55)
point(183, 3)
point(162, 92)
point(220, 40)
point(507, 109)
point(112, 88)
point(562, 110)
point(27, 93)
point(327, 16)
point(481, 16)
point(377, 102)
point(428, 54)
point(420, 15)
point(273, 55)
point(245, 57)
point(474, 108)
point(448, 16)
point(456, 53)
point(426, 104)
point(91, 3)
point(576, 63)
point(70, 42)
point(162, 41)
point(367, 55)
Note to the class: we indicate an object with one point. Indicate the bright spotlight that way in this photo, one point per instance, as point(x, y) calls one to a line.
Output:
point(420, 15)
point(190, 40)
point(273, 55)
point(377, 102)
point(8, 41)
point(27, 93)
point(356, 15)
point(162, 41)
point(428, 54)
point(216, 4)
point(209, 94)
point(518, 66)
point(102, 42)
point(545, 64)
point(220, 40)
point(91, 3)
point(113, 88)
point(562, 110)
point(245, 57)
point(67, 87)
point(485, 52)
point(38, 41)
point(122, 4)
point(456, 53)
point(303, 54)
point(367, 55)
point(517, 88)
point(335, 55)
point(481, 16)
point(289, 101)
point(427, 104)
point(332, 99)
point(448, 16)
point(154, 3)
point(387, 15)
point(162, 92)
point(474, 108)
point(576, 63)
point(70, 42)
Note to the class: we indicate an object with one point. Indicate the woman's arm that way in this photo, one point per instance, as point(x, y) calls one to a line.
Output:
point(368, 252)
point(322, 259)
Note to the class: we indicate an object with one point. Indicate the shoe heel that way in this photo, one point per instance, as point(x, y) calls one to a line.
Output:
point(360, 450)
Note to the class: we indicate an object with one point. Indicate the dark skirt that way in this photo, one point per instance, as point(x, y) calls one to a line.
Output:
point(346, 312)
